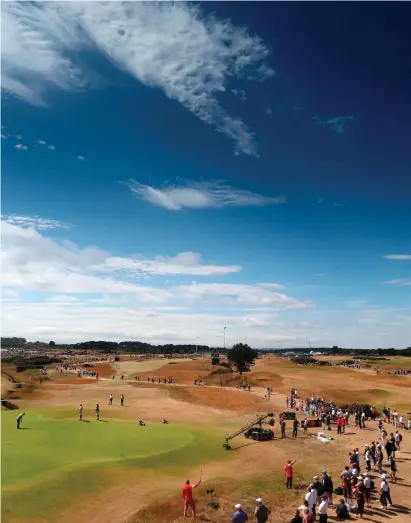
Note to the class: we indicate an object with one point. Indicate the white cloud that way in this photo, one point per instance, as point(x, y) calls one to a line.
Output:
point(9, 293)
point(200, 195)
point(173, 46)
point(81, 158)
point(33, 221)
point(21, 147)
point(268, 111)
point(240, 294)
point(41, 142)
point(240, 93)
point(320, 200)
point(37, 263)
point(33, 262)
point(19, 137)
point(62, 298)
point(188, 263)
point(398, 257)
point(400, 281)
point(78, 321)
point(337, 124)
point(51, 147)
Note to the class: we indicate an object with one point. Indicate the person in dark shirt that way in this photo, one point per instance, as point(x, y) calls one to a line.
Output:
point(296, 424)
point(239, 515)
point(261, 512)
point(342, 510)
point(297, 518)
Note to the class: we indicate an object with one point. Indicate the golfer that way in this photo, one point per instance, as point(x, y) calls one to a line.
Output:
point(80, 412)
point(187, 490)
point(20, 419)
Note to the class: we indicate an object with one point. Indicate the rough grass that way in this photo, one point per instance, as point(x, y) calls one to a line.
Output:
point(217, 397)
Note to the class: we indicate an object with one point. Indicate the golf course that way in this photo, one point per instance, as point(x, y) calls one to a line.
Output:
point(57, 468)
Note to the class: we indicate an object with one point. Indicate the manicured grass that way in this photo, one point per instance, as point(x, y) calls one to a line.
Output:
point(55, 459)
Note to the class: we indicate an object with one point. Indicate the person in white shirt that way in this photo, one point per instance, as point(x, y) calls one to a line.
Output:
point(367, 486)
point(304, 506)
point(322, 510)
point(395, 418)
point(401, 422)
point(384, 492)
point(367, 457)
point(311, 497)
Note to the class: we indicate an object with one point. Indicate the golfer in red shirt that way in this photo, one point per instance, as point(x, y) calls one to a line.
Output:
point(187, 490)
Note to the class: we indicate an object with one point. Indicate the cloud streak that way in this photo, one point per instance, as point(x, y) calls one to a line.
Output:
point(200, 195)
point(190, 56)
point(398, 257)
point(337, 124)
point(34, 222)
point(400, 281)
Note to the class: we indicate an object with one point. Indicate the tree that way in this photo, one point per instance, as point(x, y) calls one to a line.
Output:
point(52, 343)
point(241, 356)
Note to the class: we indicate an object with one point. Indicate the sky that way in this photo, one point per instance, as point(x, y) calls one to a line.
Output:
point(172, 172)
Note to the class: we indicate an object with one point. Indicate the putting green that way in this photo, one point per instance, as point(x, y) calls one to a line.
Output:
point(58, 459)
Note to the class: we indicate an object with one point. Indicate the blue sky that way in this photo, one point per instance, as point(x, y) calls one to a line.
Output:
point(169, 170)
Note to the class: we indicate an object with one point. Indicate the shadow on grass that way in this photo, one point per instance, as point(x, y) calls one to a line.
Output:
point(246, 445)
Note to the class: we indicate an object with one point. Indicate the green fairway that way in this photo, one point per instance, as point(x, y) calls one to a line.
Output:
point(55, 458)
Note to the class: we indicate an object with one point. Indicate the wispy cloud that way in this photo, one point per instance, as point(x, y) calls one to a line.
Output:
point(338, 205)
point(337, 124)
point(188, 263)
point(200, 195)
point(21, 147)
point(240, 94)
point(34, 222)
point(400, 281)
point(268, 110)
point(173, 46)
point(81, 158)
point(41, 142)
point(398, 257)
point(320, 200)
point(51, 147)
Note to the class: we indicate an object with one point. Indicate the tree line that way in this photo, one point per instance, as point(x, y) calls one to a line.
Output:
point(139, 347)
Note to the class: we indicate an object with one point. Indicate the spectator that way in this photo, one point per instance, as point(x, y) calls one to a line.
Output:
point(289, 473)
point(342, 511)
point(323, 509)
point(297, 518)
point(261, 512)
point(239, 515)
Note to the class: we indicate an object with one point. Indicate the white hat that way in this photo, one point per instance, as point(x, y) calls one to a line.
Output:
point(238, 505)
point(259, 500)
point(315, 477)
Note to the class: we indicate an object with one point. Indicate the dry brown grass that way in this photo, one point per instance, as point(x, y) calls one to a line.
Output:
point(218, 398)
